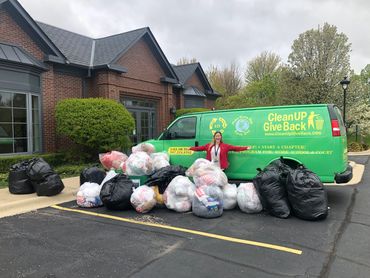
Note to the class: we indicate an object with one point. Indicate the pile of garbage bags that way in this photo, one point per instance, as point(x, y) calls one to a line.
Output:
point(34, 175)
point(284, 191)
point(203, 188)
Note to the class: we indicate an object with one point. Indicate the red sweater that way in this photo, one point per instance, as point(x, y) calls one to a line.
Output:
point(224, 149)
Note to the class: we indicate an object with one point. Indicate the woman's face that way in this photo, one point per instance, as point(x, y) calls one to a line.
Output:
point(218, 137)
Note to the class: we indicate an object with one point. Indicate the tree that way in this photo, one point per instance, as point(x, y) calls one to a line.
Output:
point(226, 81)
point(264, 64)
point(262, 92)
point(185, 61)
point(319, 60)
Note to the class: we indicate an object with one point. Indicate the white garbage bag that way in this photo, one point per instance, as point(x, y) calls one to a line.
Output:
point(248, 200)
point(179, 194)
point(88, 195)
point(143, 199)
point(200, 162)
point(143, 147)
point(160, 160)
point(210, 175)
point(230, 193)
point(139, 164)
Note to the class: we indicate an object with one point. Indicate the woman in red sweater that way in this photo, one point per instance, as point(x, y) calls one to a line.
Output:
point(217, 150)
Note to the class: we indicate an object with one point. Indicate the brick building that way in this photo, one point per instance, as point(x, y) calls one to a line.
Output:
point(42, 64)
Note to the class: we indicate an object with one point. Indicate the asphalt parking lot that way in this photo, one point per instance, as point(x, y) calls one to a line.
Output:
point(67, 241)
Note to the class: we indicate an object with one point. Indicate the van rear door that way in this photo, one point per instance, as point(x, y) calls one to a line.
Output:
point(179, 136)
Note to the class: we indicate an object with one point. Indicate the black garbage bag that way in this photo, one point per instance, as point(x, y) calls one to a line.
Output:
point(208, 202)
point(306, 194)
point(270, 185)
point(38, 170)
point(163, 176)
point(116, 193)
point(19, 182)
point(92, 174)
point(51, 185)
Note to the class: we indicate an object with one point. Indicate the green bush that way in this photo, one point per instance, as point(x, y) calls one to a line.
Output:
point(54, 159)
point(183, 111)
point(97, 124)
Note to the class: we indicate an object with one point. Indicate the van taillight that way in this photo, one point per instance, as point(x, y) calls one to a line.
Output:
point(335, 128)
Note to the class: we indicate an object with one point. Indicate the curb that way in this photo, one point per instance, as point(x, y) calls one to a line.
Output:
point(12, 204)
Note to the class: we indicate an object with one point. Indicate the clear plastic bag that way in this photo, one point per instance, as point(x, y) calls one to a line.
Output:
point(230, 194)
point(208, 202)
point(200, 162)
point(88, 195)
point(210, 175)
point(143, 147)
point(112, 160)
point(139, 164)
point(248, 200)
point(160, 160)
point(143, 199)
point(179, 194)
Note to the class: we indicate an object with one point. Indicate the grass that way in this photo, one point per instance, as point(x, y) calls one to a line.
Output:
point(65, 171)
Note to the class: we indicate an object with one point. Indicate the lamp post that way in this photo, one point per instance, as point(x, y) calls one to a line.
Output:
point(345, 82)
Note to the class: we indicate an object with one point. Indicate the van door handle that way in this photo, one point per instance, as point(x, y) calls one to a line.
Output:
point(196, 143)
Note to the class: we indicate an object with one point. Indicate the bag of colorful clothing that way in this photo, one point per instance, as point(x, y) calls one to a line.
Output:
point(88, 195)
point(143, 199)
point(112, 160)
point(200, 162)
point(210, 176)
point(143, 147)
point(208, 202)
point(139, 164)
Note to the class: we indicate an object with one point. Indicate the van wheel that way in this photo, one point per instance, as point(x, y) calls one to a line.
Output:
point(291, 163)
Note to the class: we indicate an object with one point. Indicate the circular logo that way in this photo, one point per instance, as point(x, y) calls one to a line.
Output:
point(242, 125)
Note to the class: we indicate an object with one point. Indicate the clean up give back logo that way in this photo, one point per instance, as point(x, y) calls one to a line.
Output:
point(296, 123)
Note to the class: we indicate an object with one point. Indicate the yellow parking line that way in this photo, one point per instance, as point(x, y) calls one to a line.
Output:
point(226, 238)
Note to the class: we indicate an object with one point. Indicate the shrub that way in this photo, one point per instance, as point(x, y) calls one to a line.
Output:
point(355, 147)
point(183, 111)
point(54, 159)
point(95, 123)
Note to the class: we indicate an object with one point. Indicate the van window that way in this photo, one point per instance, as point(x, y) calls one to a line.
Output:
point(184, 128)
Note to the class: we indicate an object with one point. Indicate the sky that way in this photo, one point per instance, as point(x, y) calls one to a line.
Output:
point(214, 32)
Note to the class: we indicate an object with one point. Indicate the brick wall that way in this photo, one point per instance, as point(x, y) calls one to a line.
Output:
point(195, 81)
point(12, 33)
point(141, 81)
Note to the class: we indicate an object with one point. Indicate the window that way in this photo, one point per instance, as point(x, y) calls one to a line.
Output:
point(193, 102)
point(20, 129)
point(184, 128)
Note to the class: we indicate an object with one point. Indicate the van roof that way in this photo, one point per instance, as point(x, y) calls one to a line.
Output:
point(260, 108)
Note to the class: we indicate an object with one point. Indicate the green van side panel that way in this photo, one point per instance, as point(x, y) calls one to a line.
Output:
point(301, 133)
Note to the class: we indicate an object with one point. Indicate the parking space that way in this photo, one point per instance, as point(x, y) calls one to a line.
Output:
point(102, 243)
point(67, 241)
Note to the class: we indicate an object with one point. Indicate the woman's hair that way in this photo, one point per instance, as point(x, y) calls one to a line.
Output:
point(213, 142)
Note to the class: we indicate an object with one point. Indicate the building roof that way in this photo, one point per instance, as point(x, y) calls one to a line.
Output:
point(84, 51)
point(184, 72)
point(193, 91)
point(15, 54)
point(76, 48)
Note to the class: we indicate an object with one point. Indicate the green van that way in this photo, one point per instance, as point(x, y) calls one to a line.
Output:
point(313, 135)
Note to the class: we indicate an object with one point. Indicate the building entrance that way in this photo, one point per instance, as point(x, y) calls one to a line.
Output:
point(144, 113)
